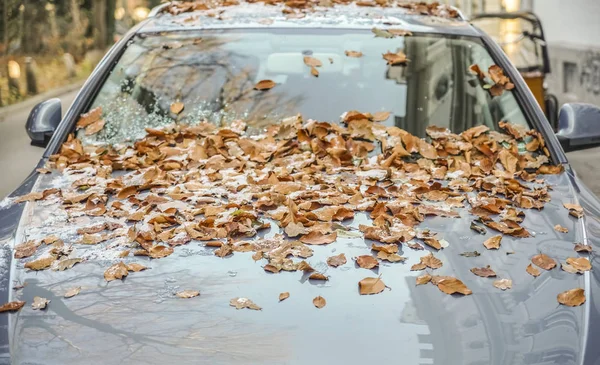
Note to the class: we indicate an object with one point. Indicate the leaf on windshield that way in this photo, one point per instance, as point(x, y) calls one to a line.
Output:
point(90, 117)
point(318, 276)
point(177, 107)
point(477, 71)
point(367, 262)
point(72, 292)
point(39, 303)
point(503, 284)
point(423, 279)
point(264, 85)
point(318, 238)
point(116, 272)
point(337, 260)
point(241, 303)
point(574, 209)
point(431, 261)
point(572, 298)
point(186, 294)
point(368, 286)
point(484, 272)
point(312, 62)
point(493, 243)
point(12, 306)
point(580, 247)
point(319, 302)
point(577, 265)
point(543, 261)
point(391, 257)
point(398, 58)
point(451, 285)
point(355, 54)
point(94, 128)
point(283, 296)
point(561, 229)
point(533, 271)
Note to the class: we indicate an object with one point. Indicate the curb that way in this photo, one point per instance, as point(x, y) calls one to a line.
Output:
point(31, 102)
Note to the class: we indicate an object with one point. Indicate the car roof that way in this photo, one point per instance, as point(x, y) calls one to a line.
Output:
point(231, 14)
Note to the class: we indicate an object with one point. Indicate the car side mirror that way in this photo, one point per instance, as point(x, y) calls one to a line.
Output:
point(578, 126)
point(43, 121)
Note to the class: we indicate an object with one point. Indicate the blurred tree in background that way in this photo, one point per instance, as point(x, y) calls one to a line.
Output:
point(60, 40)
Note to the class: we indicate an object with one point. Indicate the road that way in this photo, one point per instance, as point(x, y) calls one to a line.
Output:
point(18, 157)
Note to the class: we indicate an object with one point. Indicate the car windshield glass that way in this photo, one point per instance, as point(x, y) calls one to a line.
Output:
point(192, 77)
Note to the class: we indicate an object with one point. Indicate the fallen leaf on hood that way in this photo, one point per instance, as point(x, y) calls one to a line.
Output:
point(186, 294)
point(39, 303)
point(543, 261)
point(477, 228)
point(533, 271)
point(314, 72)
point(304, 266)
point(367, 261)
point(391, 257)
point(295, 229)
point(550, 170)
point(336, 260)
point(72, 292)
point(318, 238)
point(116, 271)
point(561, 229)
point(312, 62)
point(26, 249)
point(574, 209)
point(94, 128)
point(224, 250)
point(484, 272)
point(381, 116)
point(503, 284)
point(577, 265)
point(158, 251)
point(382, 33)
point(135, 267)
point(283, 296)
point(41, 263)
point(12, 306)
point(35, 195)
point(355, 54)
point(177, 107)
point(580, 247)
point(369, 286)
point(572, 298)
point(66, 264)
point(423, 279)
point(264, 85)
point(493, 243)
point(431, 261)
point(452, 285)
point(318, 276)
point(319, 302)
point(241, 303)
point(395, 58)
point(470, 254)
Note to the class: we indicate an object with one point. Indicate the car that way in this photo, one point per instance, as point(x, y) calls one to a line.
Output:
point(323, 182)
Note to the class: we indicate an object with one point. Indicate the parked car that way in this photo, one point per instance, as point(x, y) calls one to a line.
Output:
point(302, 183)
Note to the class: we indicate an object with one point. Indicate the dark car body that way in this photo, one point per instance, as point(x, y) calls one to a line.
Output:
point(137, 321)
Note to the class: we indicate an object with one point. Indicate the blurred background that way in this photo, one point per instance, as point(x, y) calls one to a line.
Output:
point(49, 47)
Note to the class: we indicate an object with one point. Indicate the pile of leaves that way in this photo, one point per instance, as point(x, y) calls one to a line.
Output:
point(298, 8)
point(306, 178)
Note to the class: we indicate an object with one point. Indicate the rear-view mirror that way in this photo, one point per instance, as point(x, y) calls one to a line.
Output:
point(578, 126)
point(43, 121)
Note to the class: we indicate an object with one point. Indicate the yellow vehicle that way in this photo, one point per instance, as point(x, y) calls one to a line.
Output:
point(521, 36)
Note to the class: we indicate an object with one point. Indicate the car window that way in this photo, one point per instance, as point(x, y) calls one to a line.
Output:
point(212, 74)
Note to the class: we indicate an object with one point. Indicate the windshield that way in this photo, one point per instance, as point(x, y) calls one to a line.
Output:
point(190, 77)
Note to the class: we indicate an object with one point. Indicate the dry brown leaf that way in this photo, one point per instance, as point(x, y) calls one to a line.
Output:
point(355, 54)
point(135, 267)
point(503, 284)
point(312, 62)
point(451, 285)
point(72, 292)
point(577, 265)
point(423, 279)
point(94, 128)
point(559, 228)
point(66, 264)
point(241, 303)
point(26, 249)
point(381, 116)
point(11, 306)
point(574, 209)
point(493, 243)
point(418, 267)
point(177, 107)
point(533, 271)
point(580, 247)
point(283, 296)
point(319, 302)
point(264, 85)
point(371, 285)
point(158, 251)
point(391, 257)
point(398, 58)
point(572, 298)
point(336, 260)
point(318, 276)
point(295, 229)
point(41, 263)
point(186, 294)
point(431, 261)
point(314, 72)
point(484, 272)
point(224, 251)
point(318, 238)
point(39, 303)
point(116, 271)
point(542, 261)
point(367, 261)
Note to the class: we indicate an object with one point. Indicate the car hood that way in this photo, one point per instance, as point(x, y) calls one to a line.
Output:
point(139, 320)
